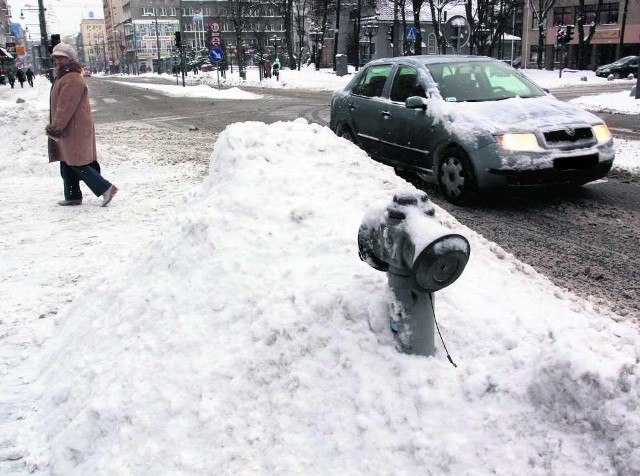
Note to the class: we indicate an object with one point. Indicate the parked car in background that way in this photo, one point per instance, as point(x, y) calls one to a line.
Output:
point(620, 69)
point(86, 73)
point(471, 123)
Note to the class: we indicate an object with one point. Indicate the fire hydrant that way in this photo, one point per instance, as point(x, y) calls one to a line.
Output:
point(420, 257)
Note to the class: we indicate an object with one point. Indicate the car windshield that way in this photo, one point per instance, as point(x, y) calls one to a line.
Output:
point(625, 60)
point(478, 81)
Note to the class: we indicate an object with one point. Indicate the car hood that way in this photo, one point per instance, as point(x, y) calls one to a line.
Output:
point(517, 114)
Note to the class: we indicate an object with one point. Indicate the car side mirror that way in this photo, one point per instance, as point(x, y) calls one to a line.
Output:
point(416, 102)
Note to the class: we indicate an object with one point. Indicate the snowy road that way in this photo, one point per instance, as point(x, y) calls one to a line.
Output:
point(586, 240)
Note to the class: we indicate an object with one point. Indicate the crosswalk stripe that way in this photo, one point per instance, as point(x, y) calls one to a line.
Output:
point(109, 100)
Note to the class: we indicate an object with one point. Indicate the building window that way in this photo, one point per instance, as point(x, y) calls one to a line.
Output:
point(432, 44)
point(609, 13)
point(147, 11)
point(563, 16)
point(533, 54)
point(589, 14)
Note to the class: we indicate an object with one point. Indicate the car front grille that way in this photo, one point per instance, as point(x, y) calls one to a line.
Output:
point(569, 138)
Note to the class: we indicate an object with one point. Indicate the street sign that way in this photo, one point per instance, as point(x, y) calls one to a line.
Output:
point(411, 33)
point(456, 32)
point(216, 55)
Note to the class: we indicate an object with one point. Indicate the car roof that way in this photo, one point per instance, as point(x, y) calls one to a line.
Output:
point(431, 59)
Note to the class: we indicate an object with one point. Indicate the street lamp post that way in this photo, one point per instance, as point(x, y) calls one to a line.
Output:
point(370, 30)
point(316, 37)
point(275, 39)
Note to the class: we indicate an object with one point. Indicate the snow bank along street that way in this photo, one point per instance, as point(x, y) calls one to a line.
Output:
point(216, 318)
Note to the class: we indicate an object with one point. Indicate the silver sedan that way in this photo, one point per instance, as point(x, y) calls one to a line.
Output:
point(472, 123)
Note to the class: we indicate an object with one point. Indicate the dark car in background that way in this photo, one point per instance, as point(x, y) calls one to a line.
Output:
point(619, 69)
point(470, 123)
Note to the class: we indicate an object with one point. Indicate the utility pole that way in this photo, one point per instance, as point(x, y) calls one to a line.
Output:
point(182, 56)
point(44, 40)
point(155, 13)
point(336, 35)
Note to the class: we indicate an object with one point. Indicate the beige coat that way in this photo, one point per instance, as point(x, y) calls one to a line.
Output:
point(71, 115)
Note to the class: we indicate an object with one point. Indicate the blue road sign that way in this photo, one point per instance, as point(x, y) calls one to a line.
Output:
point(216, 55)
point(411, 33)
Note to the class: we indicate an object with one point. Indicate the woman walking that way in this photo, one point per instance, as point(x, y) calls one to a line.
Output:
point(71, 131)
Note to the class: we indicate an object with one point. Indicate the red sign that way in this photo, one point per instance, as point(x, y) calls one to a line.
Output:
point(214, 30)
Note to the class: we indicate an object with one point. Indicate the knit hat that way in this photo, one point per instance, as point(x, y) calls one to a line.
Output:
point(63, 49)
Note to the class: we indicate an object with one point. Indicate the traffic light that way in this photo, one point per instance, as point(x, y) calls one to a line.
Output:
point(390, 34)
point(569, 34)
point(560, 35)
point(54, 40)
point(177, 39)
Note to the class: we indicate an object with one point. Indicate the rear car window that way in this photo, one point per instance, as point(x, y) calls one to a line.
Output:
point(371, 84)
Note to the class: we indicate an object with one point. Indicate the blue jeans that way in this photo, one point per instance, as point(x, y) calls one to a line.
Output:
point(89, 174)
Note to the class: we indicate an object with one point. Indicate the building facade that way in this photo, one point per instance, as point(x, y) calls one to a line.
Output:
point(92, 44)
point(141, 33)
point(617, 33)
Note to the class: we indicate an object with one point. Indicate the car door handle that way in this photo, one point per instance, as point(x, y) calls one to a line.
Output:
point(385, 114)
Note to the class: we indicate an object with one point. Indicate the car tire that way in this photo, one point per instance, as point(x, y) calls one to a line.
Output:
point(456, 178)
point(345, 133)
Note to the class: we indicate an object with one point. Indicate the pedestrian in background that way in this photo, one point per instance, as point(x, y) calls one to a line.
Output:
point(21, 77)
point(11, 78)
point(29, 74)
point(276, 69)
point(72, 139)
point(267, 69)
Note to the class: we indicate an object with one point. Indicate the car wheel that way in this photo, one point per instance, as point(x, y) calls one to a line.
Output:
point(455, 177)
point(345, 133)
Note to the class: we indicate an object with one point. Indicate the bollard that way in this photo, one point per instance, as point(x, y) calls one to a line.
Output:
point(420, 257)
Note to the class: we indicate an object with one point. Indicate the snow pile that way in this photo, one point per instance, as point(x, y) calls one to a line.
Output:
point(613, 103)
point(249, 338)
point(23, 138)
point(199, 91)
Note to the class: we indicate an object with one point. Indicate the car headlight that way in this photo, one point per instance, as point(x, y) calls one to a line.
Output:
point(525, 142)
point(602, 133)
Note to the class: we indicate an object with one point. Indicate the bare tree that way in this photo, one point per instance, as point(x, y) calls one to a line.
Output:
point(301, 11)
point(437, 8)
point(417, 7)
point(240, 13)
point(321, 15)
point(584, 41)
point(285, 9)
point(400, 44)
point(623, 27)
point(539, 13)
point(488, 23)
point(260, 41)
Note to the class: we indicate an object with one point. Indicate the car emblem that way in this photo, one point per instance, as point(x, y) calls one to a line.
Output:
point(570, 131)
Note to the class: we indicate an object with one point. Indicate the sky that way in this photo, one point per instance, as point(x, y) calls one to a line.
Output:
point(63, 16)
point(215, 319)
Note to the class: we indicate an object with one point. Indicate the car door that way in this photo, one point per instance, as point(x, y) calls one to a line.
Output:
point(406, 132)
point(365, 103)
